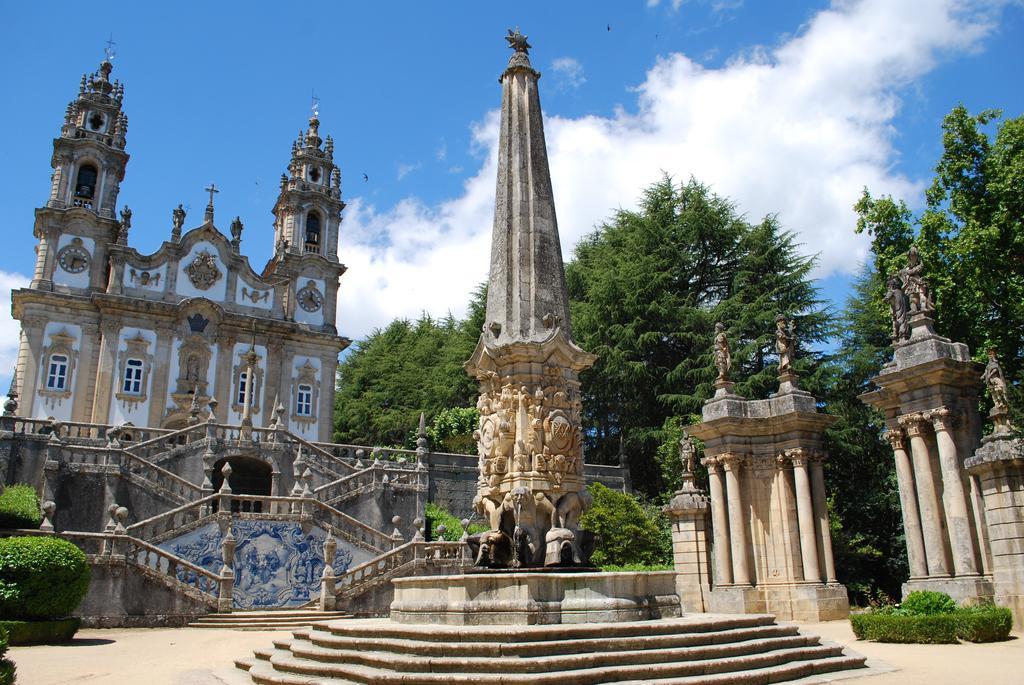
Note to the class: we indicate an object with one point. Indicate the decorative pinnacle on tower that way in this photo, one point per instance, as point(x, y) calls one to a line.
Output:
point(531, 487)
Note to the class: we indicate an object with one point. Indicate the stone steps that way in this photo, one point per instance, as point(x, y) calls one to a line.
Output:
point(694, 649)
point(267, 620)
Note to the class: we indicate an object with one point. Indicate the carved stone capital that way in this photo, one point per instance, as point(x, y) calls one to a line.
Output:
point(731, 461)
point(712, 463)
point(913, 424)
point(942, 419)
point(798, 456)
point(896, 438)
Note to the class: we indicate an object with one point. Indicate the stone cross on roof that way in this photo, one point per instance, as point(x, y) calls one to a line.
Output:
point(211, 189)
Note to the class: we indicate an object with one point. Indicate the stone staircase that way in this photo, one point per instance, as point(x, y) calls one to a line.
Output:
point(696, 649)
point(278, 619)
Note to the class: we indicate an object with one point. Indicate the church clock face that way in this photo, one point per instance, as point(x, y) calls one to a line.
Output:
point(310, 298)
point(73, 258)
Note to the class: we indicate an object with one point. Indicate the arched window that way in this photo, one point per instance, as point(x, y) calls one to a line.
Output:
point(57, 374)
point(313, 233)
point(85, 186)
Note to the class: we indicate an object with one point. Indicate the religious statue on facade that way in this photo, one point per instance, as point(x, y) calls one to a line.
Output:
point(126, 223)
point(914, 286)
point(723, 357)
point(898, 306)
point(785, 343)
point(177, 221)
point(995, 382)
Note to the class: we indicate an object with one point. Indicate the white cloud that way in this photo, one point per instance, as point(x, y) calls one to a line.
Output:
point(798, 130)
point(9, 328)
point(404, 169)
point(442, 152)
point(568, 73)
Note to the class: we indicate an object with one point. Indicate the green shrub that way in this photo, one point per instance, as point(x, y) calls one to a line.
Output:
point(437, 515)
point(926, 602)
point(884, 626)
point(19, 507)
point(984, 623)
point(6, 666)
point(628, 532)
point(452, 430)
point(41, 577)
point(637, 567)
point(41, 632)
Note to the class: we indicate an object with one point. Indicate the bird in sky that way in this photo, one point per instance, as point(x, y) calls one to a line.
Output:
point(365, 178)
point(609, 27)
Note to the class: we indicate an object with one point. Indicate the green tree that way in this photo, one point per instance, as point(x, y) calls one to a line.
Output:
point(647, 288)
point(629, 533)
point(404, 369)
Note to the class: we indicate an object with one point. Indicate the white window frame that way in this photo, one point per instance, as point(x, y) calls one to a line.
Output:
point(132, 382)
point(304, 400)
point(243, 379)
point(57, 372)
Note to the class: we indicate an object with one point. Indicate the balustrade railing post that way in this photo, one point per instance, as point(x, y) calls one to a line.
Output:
point(108, 531)
point(118, 548)
point(396, 535)
point(307, 494)
point(225, 599)
point(48, 508)
point(224, 502)
point(329, 579)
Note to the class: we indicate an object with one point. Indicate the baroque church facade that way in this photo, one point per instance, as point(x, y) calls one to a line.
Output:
point(113, 336)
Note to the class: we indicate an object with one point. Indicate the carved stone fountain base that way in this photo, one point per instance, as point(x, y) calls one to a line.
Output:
point(517, 598)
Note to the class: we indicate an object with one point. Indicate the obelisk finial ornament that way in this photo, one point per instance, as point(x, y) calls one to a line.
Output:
point(531, 487)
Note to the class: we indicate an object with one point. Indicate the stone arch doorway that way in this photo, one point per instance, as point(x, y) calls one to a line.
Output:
point(249, 476)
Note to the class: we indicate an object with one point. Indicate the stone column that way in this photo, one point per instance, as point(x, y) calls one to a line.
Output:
point(160, 374)
point(223, 377)
point(85, 373)
point(719, 523)
point(105, 371)
point(805, 515)
point(29, 361)
point(821, 510)
point(737, 521)
point(688, 511)
point(325, 417)
point(927, 496)
point(954, 498)
point(908, 505)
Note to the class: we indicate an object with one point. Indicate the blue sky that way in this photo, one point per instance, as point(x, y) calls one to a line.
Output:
point(785, 107)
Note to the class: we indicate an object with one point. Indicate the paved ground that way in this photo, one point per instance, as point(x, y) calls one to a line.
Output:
point(189, 656)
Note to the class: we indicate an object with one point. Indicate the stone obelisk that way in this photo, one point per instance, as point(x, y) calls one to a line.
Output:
point(531, 486)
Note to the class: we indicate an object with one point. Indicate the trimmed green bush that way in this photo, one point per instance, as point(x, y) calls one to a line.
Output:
point(984, 623)
point(926, 602)
point(6, 665)
point(41, 577)
point(637, 567)
point(883, 626)
point(19, 507)
point(41, 632)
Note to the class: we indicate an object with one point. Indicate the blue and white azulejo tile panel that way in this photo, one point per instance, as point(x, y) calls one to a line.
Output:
point(276, 565)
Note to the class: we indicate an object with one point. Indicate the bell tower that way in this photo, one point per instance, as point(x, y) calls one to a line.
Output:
point(307, 214)
point(78, 221)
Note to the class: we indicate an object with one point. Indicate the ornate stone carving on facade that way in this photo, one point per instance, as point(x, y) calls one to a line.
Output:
point(203, 271)
point(177, 221)
point(144, 279)
point(255, 296)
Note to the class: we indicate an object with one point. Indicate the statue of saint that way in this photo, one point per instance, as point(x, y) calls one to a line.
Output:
point(178, 218)
point(687, 452)
point(995, 381)
point(192, 369)
point(914, 285)
point(723, 357)
point(897, 300)
point(785, 343)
